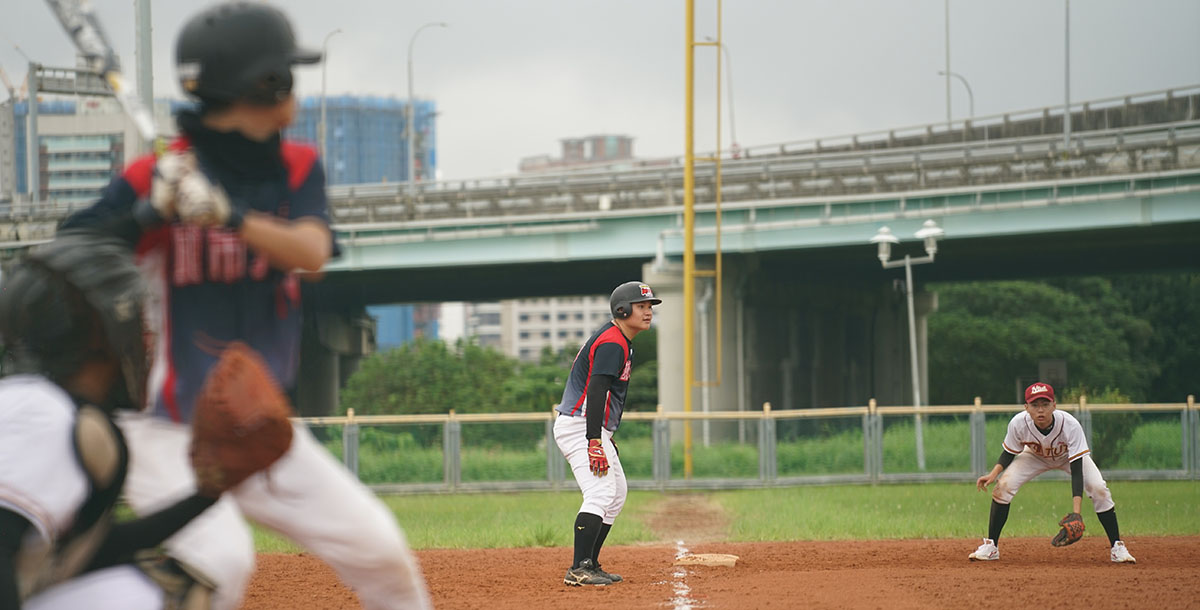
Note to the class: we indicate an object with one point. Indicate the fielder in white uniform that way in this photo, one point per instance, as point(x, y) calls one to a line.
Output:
point(589, 414)
point(1041, 439)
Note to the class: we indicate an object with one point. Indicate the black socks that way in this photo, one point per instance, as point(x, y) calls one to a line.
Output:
point(1108, 519)
point(604, 528)
point(588, 528)
point(996, 520)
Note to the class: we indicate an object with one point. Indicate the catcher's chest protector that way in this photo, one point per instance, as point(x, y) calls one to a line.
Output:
point(101, 451)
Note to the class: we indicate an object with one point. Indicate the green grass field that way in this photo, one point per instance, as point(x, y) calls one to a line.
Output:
point(934, 510)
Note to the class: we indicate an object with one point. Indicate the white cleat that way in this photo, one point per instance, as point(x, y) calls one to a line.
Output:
point(988, 551)
point(1120, 554)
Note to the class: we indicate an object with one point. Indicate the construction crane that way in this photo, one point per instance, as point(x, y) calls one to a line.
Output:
point(12, 92)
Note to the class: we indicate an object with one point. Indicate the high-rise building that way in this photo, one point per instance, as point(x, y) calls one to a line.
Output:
point(81, 145)
point(365, 137)
point(396, 325)
point(590, 151)
point(522, 328)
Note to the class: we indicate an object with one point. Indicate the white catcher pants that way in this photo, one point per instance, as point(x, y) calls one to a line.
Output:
point(307, 496)
point(1026, 466)
point(121, 587)
point(602, 495)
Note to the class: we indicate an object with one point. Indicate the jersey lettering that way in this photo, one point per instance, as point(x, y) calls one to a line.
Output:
point(628, 367)
point(1057, 451)
point(213, 255)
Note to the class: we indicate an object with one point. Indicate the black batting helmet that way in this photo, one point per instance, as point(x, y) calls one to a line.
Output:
point(239, 51)
point(622, 299)
point(52, 302)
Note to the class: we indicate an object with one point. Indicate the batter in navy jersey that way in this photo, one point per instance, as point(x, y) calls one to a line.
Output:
point(589, 414)
point(220, 222)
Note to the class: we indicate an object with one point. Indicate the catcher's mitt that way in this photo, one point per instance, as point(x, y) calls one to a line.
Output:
point(240, 424)
point(1071, 532)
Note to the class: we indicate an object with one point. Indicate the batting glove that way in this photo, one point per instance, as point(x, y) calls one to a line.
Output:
point(596, 457)
point(199, 201)
point(168, 171)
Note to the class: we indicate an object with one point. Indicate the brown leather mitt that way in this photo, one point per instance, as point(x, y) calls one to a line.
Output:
point(1071, 532)
point(240, 424)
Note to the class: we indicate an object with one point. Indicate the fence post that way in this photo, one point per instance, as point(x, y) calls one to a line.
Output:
point(1193, 429)
point(767, 465)
point(661, 459)
point(871, 443)
point(1085, 418)
point(554, 461)
point(350, 443)
point(451, 443)
point(978, 438)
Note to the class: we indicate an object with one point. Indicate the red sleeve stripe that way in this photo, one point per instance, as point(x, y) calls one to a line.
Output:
point(299, 160)
point(139, 173)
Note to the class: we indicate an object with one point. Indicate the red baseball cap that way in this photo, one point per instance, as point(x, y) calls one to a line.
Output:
point(1039, 390)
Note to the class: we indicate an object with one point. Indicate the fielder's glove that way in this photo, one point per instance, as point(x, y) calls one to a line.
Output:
point(240, 425)
point(596, 457)
point(1071, 532)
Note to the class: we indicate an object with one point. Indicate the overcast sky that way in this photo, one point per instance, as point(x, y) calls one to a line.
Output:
point(512, 77)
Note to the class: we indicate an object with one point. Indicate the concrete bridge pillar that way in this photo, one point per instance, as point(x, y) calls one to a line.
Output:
point(331, 346)
point(719, 374)
point(795, 341)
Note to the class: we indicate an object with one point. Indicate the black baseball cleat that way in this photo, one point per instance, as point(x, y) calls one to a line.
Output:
point(608, 575)
point(586, 574)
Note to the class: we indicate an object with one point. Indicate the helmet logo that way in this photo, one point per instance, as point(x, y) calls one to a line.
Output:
point(646, 292)
point(189, 75)
point(123, 309)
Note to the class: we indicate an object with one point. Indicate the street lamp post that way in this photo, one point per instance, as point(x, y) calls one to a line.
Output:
point(734, 149)
point(410, 115)
point(929, 233)
point(970, 95)
point(321, 127)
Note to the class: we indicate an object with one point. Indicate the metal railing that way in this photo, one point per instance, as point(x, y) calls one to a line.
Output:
point(760, 428)
point(1148, 148)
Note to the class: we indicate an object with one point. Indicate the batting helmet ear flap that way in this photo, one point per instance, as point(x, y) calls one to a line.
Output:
point(620, 312)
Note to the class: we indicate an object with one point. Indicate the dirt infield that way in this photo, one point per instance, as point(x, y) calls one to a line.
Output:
point(878, 574)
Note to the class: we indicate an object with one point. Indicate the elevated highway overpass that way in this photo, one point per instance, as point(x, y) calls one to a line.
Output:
point(811, 320)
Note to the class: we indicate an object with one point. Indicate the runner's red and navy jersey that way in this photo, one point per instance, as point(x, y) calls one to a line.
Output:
point(606, 352)
point(207, 287)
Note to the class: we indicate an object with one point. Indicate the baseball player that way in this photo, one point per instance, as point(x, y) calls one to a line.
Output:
point(71, 325)
point(220, 222)
point(588, 415)
point(1041, 439)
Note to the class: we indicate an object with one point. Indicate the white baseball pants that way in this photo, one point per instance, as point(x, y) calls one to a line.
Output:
point(307, 496)
point(1026, 466)
point(122, 587)
point(602, 495)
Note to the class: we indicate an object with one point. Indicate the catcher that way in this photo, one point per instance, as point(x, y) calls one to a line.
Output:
point(72, 330)
point(1041, 439)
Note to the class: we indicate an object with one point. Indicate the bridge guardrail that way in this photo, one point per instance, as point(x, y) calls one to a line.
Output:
point(760, 429)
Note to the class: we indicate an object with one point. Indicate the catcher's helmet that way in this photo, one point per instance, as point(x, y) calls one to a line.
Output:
point(239, 51)
point(622, 299)
point(52, 302)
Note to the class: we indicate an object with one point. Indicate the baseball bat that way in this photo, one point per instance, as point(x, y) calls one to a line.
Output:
point(81, 24)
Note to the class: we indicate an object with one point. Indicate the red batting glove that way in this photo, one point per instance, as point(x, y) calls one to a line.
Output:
point(596, 457)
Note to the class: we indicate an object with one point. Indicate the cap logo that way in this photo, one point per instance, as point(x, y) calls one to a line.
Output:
point(1038, 388)
point(646, 292)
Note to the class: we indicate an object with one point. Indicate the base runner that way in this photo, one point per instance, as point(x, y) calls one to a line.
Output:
point(588, 415)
